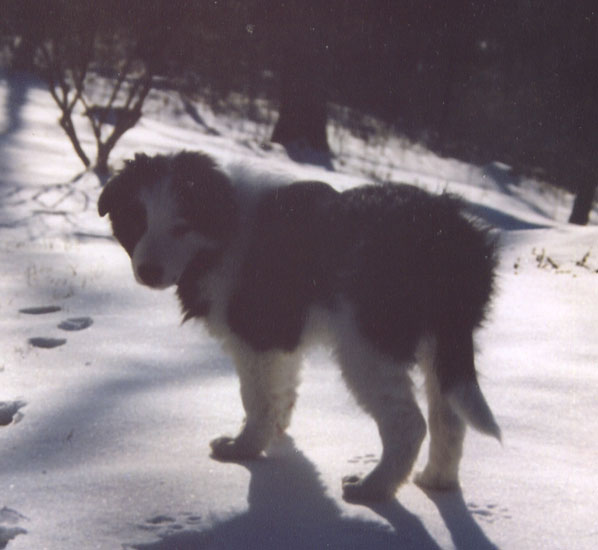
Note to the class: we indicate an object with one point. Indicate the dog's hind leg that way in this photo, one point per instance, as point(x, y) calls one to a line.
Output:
point(447, 428)
point(384, 390)
point(268, 392)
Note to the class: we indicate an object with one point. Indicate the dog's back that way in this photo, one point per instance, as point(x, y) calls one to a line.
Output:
point(409, 263)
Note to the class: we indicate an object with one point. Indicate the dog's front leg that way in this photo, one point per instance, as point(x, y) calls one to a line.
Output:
point(268, 391)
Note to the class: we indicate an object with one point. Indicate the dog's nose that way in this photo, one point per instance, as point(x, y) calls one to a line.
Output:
point(150, 275)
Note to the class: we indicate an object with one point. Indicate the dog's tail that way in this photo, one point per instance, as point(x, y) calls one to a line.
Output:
point(455, 369)
point(469, 403)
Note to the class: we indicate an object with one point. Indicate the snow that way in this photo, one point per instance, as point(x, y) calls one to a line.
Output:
point(104, 431)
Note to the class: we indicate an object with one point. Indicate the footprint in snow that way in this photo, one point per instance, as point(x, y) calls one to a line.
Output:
point(42, 342)
point(9, 520)
point(42, 310)
point(46, 343)
point(76, 323)
point(71, 324)
point(9, 412)
point(165, 525)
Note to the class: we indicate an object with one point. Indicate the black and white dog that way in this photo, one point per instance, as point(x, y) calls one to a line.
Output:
point(386, 275)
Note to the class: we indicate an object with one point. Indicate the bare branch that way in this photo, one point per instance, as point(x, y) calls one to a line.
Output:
point(96, 124)
point(58, 86)
point(68, 59)
point(121, 78)
point(50, 74)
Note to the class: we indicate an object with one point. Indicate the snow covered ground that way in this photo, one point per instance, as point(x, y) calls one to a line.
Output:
point(107, 405)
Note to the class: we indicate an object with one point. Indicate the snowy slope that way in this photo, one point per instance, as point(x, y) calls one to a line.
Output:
point(111, 449)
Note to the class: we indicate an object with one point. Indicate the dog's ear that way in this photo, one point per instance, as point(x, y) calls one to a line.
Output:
point(122, 184)
point(111, 193)
point(206, 194)
point(107, 197)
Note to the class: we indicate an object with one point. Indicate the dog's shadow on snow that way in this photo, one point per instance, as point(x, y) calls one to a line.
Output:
point(288, 508)
point(465, 532)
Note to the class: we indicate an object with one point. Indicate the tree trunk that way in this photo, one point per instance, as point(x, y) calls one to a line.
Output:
point(584, 200)
point(302, 115)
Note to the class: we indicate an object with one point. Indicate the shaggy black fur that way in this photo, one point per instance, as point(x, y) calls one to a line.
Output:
point(412, 264)
point(409, 262)
point(286, 268)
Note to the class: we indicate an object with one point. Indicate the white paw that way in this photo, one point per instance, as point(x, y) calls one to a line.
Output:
point(435, 481)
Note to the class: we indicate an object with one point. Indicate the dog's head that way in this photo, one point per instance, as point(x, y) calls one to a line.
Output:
point(165, 210)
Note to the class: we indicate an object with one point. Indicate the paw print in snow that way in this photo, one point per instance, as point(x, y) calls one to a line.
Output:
point(9, 412)
point(489, 512)
point(164, 525)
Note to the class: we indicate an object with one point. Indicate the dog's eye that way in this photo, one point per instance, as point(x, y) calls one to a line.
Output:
point(180, 229)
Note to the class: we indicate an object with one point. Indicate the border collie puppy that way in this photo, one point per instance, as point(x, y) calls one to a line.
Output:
point(385, 275)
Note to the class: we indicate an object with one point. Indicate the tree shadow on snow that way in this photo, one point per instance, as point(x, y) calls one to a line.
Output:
point(288, 508)
point(501, 220)
point(17, 85)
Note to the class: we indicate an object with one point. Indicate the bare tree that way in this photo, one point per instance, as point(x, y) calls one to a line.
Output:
point(121, 114)
point(303, 111)
point(297, 34)
point(66, 87)
point(67, 66)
